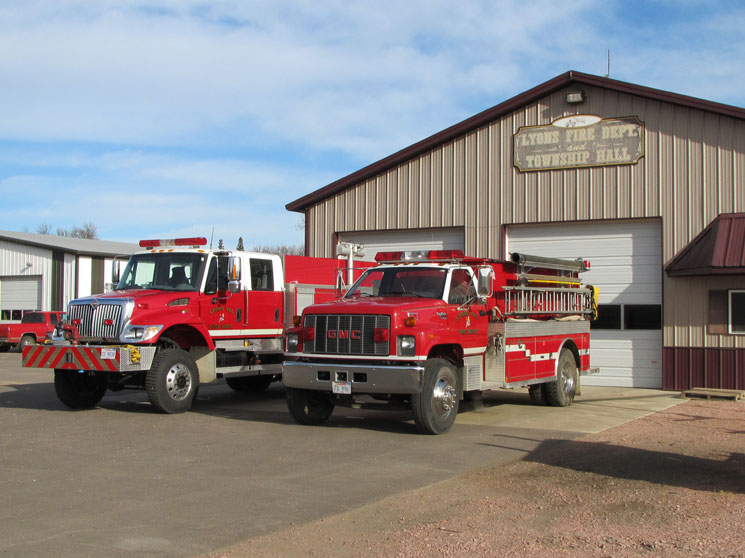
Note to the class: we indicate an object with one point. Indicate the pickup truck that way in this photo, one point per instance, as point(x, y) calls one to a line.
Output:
point(33, 328)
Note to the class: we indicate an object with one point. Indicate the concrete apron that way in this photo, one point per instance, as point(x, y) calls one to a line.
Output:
point(597, 409)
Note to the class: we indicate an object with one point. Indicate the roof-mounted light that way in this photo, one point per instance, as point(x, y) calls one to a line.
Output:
point(420, 256)
point(192, 241)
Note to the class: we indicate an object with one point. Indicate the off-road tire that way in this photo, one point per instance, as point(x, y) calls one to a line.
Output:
point(561, 392)
point(251, 384)
point(436, 407)
point(172, 381)
point(537, 394)
point(79, 390)
point(308, 406)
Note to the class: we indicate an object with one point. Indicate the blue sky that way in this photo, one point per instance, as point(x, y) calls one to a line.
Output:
point(171, 118)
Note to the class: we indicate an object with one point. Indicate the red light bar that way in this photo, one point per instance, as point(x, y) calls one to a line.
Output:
point(193, 241)
point(446, 255)
point(389, 256)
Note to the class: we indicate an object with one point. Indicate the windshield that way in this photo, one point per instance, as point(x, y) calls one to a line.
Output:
point(423, 282)
point(167, 272)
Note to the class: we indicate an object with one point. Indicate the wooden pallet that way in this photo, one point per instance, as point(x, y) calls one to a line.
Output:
point(709, 393)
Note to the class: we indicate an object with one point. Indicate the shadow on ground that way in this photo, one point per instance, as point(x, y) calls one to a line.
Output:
point(671, 469)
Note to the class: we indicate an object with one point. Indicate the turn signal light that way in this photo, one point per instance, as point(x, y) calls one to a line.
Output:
point(296, 321)
point(410, 321)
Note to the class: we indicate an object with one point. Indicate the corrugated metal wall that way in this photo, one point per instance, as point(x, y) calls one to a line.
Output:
point(693, 169)
point(14, 260)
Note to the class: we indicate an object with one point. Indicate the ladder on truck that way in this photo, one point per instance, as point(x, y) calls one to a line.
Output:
point(568, 297)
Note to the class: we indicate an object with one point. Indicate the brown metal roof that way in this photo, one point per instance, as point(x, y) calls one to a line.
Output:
point(498, 111)
point(718, 250)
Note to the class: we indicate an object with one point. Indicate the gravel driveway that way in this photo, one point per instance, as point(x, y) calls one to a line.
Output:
point(669, 484)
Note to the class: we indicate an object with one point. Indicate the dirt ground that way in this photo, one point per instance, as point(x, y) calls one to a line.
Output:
point(671, 484)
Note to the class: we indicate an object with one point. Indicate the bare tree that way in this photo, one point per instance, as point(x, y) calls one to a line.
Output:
point(44, 228)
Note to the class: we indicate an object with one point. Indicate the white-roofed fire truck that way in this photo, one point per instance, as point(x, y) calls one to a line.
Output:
point(182, 315)
point(423, 330)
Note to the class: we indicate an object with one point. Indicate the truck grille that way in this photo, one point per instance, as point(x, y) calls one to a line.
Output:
point(93, 321)
point(347, 334)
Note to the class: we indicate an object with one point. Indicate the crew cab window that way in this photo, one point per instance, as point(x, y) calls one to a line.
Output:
point(462, 288)
point(33, 318)
point(262, 275)
point(422, 282)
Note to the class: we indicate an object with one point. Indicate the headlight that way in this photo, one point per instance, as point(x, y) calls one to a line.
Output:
point(140, 333)
point(406, 345)
point(292, 342)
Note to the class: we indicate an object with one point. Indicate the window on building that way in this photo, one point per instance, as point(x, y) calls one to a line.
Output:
point(609, 317)
point(642, 316)
point(628, 316)
point(737, 312)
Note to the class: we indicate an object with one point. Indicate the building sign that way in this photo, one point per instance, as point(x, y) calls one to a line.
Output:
point(579, 141)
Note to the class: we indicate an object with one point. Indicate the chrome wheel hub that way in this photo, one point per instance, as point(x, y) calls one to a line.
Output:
point(444, 398)
point(178, 382)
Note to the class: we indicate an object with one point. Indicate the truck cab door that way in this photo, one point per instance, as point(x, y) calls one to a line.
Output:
point(222, 311)
point(265, 298)
point(468, 314)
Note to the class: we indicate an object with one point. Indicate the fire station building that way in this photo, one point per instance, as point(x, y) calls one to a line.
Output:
point(648, 185)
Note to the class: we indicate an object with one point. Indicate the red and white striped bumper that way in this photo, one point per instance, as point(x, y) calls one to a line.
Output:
point(83, 357)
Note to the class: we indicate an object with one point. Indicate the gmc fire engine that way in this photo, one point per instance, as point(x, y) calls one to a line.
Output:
point(181, 315)
point(423, 330)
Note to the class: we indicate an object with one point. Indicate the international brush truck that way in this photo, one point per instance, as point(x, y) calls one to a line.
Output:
point(182, 315)
point(423, 330)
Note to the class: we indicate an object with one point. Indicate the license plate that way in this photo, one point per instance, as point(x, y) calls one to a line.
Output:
point(108, 354)
point(344, 388)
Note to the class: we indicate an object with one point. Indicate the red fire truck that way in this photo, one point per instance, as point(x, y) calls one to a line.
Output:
point(421, 330)
point(181, 315)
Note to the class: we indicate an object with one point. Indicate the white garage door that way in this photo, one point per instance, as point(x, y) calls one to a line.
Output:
point(18, 294)
point(626, 266)
point(429, 239)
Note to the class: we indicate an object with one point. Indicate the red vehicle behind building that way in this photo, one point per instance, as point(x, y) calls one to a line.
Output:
point(34, 327)
point(182, 315)
point(421, 330)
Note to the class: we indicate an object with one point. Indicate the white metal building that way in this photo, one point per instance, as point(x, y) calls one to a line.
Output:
point(46, 272)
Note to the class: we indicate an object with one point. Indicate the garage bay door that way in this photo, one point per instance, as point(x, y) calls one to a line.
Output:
point(626, 266)
point(19, 294)
point(429, 239)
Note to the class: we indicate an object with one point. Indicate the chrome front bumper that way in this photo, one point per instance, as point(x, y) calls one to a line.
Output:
point(363, 378)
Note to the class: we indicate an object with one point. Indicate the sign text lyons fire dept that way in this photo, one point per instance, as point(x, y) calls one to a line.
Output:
point(582, 141)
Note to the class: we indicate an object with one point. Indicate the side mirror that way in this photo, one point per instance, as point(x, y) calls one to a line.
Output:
point(116, 271)
point(234, 274)
point(484, 284)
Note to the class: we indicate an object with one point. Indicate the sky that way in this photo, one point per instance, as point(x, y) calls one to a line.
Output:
point(160, 119)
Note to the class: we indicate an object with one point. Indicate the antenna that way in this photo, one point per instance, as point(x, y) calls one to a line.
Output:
point(608, 74)
point(212, 236)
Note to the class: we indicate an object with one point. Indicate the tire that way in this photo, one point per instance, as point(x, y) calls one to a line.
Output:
point(537, 394)
point(4, 348)
point(436, 407)
point(26, 341)
point(309, 406)
point(252, 384)
point(79, 390)
point(560, 393)
point(172, 381)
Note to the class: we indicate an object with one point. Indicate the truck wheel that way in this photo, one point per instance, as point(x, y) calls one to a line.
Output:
point(309, 406)
point(172, 381)
point(4, 348)
point(26, 341)
point(252, 384)
point(560, 393)
point(537, 394)
point(436, 407)
point(79, 390)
